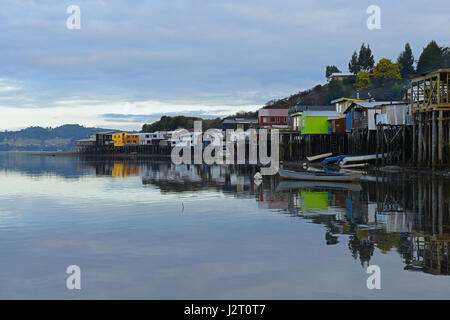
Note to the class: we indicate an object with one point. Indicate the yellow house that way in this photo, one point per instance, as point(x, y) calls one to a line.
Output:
point(122, 170)
point(343, 103)
point(119, 139)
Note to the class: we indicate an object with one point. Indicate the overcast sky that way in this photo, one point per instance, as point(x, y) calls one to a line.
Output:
point(133, 61)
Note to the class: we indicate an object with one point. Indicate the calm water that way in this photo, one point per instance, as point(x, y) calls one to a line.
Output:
point(154, 230)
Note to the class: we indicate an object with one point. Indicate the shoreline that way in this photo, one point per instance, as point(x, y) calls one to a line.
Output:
point(289, 164)
point(73, 153)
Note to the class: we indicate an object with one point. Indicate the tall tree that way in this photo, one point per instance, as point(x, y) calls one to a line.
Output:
point(335, 89)
point(330, 70)
point(363, 80)
point(353, 65)
point(386, 69)
point(365, 58)
point(406, 59)
point(433, 57)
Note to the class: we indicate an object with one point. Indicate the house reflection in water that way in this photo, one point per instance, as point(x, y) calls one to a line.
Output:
point(409, 215)
point(122, 170)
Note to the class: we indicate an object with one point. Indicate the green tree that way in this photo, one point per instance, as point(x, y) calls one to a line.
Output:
point(433, 57)
point(406, 59)
point(363, 80)
point(330, 70)
point(353, 65)
point(365, 58)
point(386, 69)
point(335, 89)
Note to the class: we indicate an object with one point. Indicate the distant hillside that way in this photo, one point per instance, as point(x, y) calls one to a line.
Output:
point(167, 123)
point(324, 94)
point(45, 139)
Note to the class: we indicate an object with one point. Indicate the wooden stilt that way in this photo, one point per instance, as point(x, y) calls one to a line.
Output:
point(441, 138)
point(420, 142)
point(434, 144)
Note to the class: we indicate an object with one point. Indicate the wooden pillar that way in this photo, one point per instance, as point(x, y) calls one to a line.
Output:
point(434, 144)
point(441, 207)
point(377, 146)
point(441, 138)
point(368, 141)
point(433, 204)
point(414, 148)
point(382, 145)
point(420, 141)
point(426, 143)
point(290, 146)
point(448, 140)
point(404, 145)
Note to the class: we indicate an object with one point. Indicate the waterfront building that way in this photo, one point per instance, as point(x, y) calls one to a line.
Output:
point(295, 113)
point(361, 115)
point(273, 118)
point(104, 139)
point(316, 122)
point(239, 123)
point(343, 103)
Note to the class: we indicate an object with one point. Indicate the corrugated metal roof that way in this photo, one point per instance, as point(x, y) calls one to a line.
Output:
point(345, 99)
point(240, 121)
point(373, 104)
point(376, 103)
point(300, 108)
point(321, 114)
point(266, 112)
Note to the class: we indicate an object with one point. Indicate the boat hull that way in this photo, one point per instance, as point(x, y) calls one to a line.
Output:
point(295, 175)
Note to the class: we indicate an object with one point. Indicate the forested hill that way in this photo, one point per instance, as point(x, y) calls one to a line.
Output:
point(47, 139)
point(167, 123)
point(387, 79)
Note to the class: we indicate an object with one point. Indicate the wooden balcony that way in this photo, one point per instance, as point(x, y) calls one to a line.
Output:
point(431, 92)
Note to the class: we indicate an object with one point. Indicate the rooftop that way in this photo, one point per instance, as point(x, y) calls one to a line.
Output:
point(300, 108)
point(266, 112)
point(240, 120)
point(373, 104)
point(321, 114)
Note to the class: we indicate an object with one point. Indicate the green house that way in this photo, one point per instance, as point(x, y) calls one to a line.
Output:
point(316, 122)
point(314, 200)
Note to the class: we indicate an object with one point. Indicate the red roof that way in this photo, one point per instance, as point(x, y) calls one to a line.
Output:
point(266, 112)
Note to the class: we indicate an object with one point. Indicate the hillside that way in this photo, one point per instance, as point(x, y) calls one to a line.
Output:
point(167, 123)
point(324, 94)
point(45, 139)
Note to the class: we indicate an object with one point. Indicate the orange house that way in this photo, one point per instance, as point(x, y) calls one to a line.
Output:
point(132, 139)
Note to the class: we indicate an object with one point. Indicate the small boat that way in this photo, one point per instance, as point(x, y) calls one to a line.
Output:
point(328, 185)
point(318, 176)
point(355, 165)
point(364, 158)
point(332, 160)
point(319, 157)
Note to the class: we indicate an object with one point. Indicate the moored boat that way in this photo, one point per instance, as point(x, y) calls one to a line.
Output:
point(318, 176)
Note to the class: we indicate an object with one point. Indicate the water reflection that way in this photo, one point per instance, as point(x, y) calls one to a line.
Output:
point(406, 215)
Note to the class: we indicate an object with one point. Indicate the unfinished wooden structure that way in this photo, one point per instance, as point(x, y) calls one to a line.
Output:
point(430, 103)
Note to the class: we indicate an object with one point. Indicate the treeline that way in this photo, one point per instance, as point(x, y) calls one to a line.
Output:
point(385, 80)
point(39, 138)
point(167, 123)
